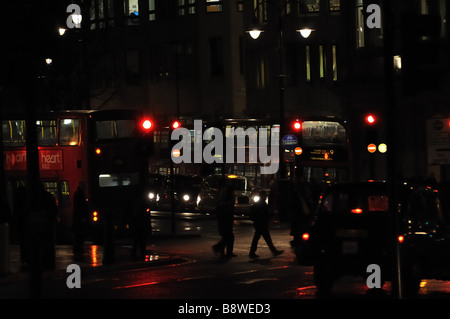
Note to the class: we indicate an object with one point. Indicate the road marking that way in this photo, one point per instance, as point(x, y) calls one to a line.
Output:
point(254, 281)
point(137, 285)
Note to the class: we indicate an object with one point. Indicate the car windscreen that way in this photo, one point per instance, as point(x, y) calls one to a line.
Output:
point(355, 201)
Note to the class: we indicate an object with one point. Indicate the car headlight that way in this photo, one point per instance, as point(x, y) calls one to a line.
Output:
point(198, 199)
point(186, 197)
point(256, 198)
point(151, 196)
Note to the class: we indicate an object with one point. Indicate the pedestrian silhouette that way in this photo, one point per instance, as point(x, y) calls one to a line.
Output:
point(260, 215)
point(140, 226)
point(225, 221)
point(80, 221)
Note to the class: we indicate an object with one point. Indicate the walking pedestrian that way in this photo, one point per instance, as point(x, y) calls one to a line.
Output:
point(225, 221)
point(260, 215)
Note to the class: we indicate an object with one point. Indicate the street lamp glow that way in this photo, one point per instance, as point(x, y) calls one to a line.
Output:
point(48, 61)
point(305, 32)
point(76, 18)
point(255, 33)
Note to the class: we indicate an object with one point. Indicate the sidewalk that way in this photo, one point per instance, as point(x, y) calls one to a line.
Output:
point(91, 261)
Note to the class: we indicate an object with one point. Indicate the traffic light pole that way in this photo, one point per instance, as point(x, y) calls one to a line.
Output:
point(390, 113)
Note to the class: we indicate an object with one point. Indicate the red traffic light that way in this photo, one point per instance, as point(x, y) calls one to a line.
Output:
point(371, 119)
point(146, 125)
point(176, 124)
point(297, 125)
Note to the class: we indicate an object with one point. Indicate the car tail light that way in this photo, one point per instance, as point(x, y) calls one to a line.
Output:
point(356, 211)
point(305, 236)
point(401, 239)
point(95, 216)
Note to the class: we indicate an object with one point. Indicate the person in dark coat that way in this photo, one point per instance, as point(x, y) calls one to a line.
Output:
point(225, 221)
point(80, 219)
point(260, 215)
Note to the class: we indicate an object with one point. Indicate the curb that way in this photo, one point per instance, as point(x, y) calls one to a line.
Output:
point(161, 260)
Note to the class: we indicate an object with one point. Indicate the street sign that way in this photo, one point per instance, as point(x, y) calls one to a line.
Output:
point(372, 148)
point(298, 150)
point(438, 141)
point(289, 142)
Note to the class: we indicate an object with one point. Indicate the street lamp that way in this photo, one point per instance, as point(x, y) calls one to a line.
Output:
point(76, 19)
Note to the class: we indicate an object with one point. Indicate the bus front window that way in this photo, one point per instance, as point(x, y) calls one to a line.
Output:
point(68, 132)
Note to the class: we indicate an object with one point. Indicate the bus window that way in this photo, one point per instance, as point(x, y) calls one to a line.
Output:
point(323, 133)
point(111, 129)
point(115, 180)
point(68, 132)
point(52, 188)
point(65, 194)
point(13, 132)
point(46, 132)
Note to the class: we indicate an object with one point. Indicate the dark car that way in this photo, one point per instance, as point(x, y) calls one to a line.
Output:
point(185, 191)
point(354, 228)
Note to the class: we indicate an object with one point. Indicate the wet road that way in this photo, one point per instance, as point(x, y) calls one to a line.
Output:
point(203, 275)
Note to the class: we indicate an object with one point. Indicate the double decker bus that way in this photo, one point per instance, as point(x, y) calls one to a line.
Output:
point(322, 145)
point(103, 150)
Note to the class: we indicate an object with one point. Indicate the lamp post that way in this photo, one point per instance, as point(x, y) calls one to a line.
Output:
point(255, 33)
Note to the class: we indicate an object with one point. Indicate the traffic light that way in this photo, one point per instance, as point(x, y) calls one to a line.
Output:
point(174, 152)
point(176, 124)
point(371, 119)
point(296, 126)
point(371, 132)
point(146, 125)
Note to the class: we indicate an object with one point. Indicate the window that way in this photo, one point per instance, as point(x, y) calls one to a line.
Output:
point(186, 7)
point(46, 132)
point(261, 72)
point(13, 132)
point(213, 5)
point(240, 5)
point(52, 188)
point(151, 10)
point(360, 24)
point(216, 56)
point(111, 129)
point(321, 62)
point(334, 5)
point(323, 134)
point(131, 12)
point(64, 199)
point(260, 9)
point(335, 67)
point(117, 180)
point(68, 132)
point(308, 63)
point(312, 5)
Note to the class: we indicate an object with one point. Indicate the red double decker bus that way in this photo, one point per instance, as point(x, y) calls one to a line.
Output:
point(104, 150)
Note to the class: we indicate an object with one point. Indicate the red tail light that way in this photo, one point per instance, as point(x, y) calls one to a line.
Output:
point(305, 236)
point(356, 211)
point(401, 239)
